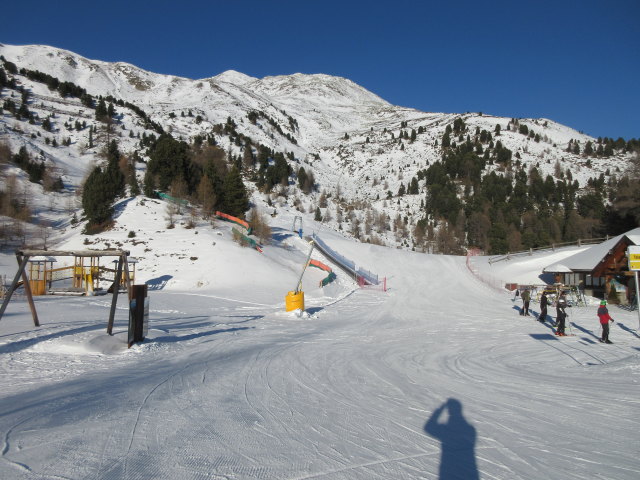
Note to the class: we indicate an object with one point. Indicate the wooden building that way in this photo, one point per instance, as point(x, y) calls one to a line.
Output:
point(601, 270)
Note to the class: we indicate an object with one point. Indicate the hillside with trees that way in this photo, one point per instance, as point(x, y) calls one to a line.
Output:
point(440, 183)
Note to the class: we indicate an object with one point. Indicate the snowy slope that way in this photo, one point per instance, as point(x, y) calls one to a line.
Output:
point(228, 385)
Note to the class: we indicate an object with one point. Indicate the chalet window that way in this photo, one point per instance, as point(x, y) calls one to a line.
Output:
point(591, 281)
point(571, 278)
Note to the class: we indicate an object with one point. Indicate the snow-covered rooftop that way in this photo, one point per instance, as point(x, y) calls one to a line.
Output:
point(589, 259)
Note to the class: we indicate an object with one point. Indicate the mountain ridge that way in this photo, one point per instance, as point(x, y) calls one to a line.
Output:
point(357, 144)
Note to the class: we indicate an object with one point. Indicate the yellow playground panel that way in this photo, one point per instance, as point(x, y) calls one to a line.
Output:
point(81, 278)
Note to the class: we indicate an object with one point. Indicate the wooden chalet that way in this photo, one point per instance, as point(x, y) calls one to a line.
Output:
point(601, 268)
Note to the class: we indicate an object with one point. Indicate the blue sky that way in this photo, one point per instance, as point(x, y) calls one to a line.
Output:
point(575, 62)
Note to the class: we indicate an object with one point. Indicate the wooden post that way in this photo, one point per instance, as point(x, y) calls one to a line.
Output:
point(21, 266)
point(114, 301)
point(127, 279)
point(27, 288)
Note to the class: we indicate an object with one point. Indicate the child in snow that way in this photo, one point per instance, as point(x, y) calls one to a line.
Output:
point(605, 318)
point(526, 298)
point(543, 307)
point(561, 315)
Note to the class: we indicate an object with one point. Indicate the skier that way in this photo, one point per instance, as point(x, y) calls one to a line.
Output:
point(543, 307)
point(516, 295)
point(526, 297)
point(561, 315)
point(605, 318)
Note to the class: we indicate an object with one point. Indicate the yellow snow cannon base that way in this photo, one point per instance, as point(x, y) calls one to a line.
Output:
point(294, 301)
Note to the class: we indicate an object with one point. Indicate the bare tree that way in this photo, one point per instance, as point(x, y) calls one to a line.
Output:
point(206, 196)
point(5, 153)
point(178, 191)
point(171, 211)
point(44, 230)
point(260, 226)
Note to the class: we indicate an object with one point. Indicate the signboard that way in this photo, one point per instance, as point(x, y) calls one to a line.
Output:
point(633, 254)
point(138, 315)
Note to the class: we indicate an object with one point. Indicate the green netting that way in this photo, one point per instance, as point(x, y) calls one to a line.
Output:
point(330, 278)
point(250, 241)
point(172, 199)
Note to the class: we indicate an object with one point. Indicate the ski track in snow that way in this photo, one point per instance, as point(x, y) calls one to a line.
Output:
point(219, 391)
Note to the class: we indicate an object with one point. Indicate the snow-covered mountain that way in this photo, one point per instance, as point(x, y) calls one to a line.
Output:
point(355, 143)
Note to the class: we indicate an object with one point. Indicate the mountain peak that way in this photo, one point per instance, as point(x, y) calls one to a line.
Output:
point(317, 86)
point(232, 76)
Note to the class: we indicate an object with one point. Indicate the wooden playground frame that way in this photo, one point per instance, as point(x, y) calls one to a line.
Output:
point(23, 256)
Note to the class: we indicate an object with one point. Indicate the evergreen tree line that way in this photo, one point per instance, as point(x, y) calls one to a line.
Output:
point(519, 210)
point(254, 115)
point(272, 166)
point(69, 89)
point(199, 173)
point(603, 147)
point(36, 170)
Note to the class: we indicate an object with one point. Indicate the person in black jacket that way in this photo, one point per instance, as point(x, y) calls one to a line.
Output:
point(543, 307)
point(526, 298)
point(561, 315)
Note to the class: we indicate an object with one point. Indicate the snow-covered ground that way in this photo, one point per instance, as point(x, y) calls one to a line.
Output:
point(439, 377)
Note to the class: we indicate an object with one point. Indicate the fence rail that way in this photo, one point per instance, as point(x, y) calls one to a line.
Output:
point(347, 264)
point(552, 247)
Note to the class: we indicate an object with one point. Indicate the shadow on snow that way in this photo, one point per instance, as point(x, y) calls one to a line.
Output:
point(458, 440)
point(158, 283)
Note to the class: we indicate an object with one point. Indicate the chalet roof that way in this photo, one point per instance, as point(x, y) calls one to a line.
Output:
point(588, 259)
point(557, 268)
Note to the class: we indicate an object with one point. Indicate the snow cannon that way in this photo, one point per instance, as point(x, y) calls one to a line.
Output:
point(295, 298)
point(294, 301)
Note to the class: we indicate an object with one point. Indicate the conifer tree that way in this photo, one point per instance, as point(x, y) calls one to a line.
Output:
point(235, 198)
point(149, 184)
point(588, 148)
point(101, 111)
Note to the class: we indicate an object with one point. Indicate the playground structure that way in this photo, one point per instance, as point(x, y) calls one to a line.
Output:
point(82, 278)
point(79, 273)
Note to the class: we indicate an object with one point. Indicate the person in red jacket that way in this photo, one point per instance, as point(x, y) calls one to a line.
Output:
point(605, 318)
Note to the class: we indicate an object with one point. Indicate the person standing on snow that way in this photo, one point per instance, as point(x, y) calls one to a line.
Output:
point(526, 298)
point(605, 318)
point(543, 307)
point(561, 315)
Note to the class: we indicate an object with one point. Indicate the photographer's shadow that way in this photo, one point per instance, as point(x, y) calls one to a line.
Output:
point(458, 438)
